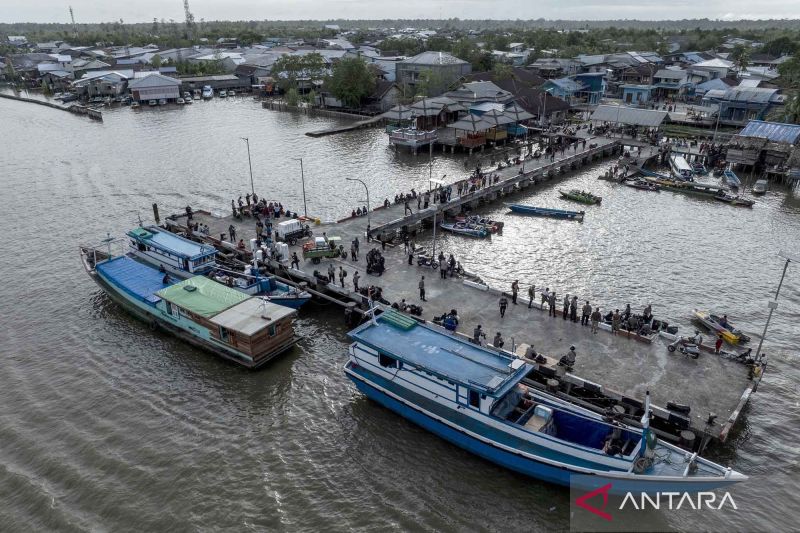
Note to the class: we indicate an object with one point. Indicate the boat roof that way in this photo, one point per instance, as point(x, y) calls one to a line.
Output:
point(442, 354)
point(169, 242)
point(202, 296)
point(137, 279)
point(251, 316)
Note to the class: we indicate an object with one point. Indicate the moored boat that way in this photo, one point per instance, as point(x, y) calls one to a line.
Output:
point(185, 258)
point(474, 397)
point(462, 228)
point(680, 168)
point(642, 185)
point(760, 187)
point(581, 196)
point(734, 200)
point(699, 169)
point(546, 212)
point(719, 324)
point(732, 179)
point(492, 226)
point(247, 330)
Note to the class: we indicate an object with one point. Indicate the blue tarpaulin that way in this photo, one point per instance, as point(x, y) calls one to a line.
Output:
point(136, 279)
point(773, 131)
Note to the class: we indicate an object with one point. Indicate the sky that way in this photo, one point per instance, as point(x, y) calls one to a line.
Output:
point(146, 10)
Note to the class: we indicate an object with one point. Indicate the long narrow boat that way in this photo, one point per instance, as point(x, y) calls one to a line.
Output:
point(474, 397)
point(185, 258)
point(715, 323)
point(461, 228)
point(732, 179)
point(642, 185)
point(247, 330)
point(546, 212)
point(734, 200)
point(581, 196)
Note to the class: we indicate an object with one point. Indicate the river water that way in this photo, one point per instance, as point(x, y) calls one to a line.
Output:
point(105, 426)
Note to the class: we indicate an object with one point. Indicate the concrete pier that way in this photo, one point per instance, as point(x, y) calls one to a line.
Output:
point(610, 369)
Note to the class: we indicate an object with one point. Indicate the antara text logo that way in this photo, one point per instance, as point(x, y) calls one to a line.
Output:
point(640, 501)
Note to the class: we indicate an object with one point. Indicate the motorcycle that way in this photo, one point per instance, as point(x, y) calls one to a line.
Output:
point(423, 260)
point(686, 347)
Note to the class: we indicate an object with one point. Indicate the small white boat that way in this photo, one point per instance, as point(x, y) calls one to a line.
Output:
point(231, 93)
point(208, 92)
point(180, 101)
point(135, 105)
point(187, 95)
point(760, 187)
point(680, 168)
point(187, 100)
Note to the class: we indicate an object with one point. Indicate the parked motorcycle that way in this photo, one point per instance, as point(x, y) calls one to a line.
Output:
point(685, 346)
point(424, 260)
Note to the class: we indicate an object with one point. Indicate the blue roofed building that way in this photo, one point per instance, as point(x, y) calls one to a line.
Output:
point(636, 94)
point(738, 105)
point(567, 89)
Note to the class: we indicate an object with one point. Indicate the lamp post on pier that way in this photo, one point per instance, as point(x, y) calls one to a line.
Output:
point(369, 223)
point(303, 180)
point(249, 162)
point(773, 304)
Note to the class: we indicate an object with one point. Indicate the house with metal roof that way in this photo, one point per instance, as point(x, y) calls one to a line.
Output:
point(738, 105)
point(567, 89)
point(629, 116)
point(155, 86)
point(103, 83)
point(442, 68)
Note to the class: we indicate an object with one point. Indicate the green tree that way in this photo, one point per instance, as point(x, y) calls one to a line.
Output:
point(740, 57)
point(156, 61)
point(790, 72)
point(351, 81)
point(292, 97)
point(503, 71)
point(792, 109)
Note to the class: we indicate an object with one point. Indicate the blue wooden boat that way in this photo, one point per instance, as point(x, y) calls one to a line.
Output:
point(184, 258)
point(732, 179)
point(245, 329)
point(546, 212)
point(464, 228)
point(475, 398)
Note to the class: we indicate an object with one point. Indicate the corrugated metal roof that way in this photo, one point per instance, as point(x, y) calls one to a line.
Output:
point(251, 316)
point(203, 296)
point(629, 115)
point(137, 279)
point(434, 58)
point(774, 131)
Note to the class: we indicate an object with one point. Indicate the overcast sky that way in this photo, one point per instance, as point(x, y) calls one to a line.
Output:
point(146, 10)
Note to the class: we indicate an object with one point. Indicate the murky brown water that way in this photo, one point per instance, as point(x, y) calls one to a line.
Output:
point(105, 426)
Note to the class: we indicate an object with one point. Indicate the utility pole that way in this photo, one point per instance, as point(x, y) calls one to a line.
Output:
point(249, 162)
point(369, 223)
point(303, 180)
point(773, 304)
point(72, 17)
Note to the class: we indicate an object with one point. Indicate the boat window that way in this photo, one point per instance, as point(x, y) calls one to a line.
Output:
point(386, 361)
point(169, 308)
point(223, 334)
point(272, 330)
point(474, 399)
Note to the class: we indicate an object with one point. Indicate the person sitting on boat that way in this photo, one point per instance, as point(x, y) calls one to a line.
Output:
point(241, 244)
point(723, 322)
point(498, 342)
point(166, 279)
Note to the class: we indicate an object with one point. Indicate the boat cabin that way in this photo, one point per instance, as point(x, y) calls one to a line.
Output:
point(680, 167)
point(253, 326)
point(177, 254)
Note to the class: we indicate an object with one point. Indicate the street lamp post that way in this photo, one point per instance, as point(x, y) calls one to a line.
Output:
point(303, 180)
point(773, 304)
point(249, 162)
point(369, 224)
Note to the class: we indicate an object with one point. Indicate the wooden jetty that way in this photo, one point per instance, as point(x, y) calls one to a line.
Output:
point(612, 372)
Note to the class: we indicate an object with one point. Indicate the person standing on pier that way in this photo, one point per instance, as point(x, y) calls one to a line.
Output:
point(503, 306)
point(411, 258)
point(531, 295)
point(442, 267)
point(331, 274)
point(718, 344)
point(596, 316)
point(615, 322)
point(355, 280)
point(342, 275)
point(295, 261)
point(552, 307)
point(573, 309)
point(586, 313)
point(514, 291)
point(422, 289)
point(407, 208)
point(232, 233)
point(353, 255)
point(565, 308)
point(545, 297)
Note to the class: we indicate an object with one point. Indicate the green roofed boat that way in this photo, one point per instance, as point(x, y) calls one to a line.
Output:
point(581, 196)
point(246, 329)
